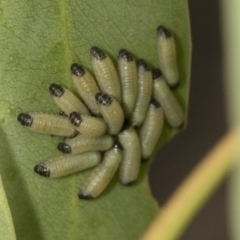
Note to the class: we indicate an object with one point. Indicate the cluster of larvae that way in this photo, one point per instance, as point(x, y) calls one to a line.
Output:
point(117, 121)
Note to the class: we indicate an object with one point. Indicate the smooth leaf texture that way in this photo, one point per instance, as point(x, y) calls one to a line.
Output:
point(6, 224)
point(38, 42)
point(231, 37)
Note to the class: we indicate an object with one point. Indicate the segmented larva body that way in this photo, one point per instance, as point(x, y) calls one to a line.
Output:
point(88, 125)
point(109, 102)
point(82, 143)
point(111, 111)
point(144, 94)
point(129, 81)
point(163, 94)
point(67, 164)
point(47, 124)
point(66, 100)
point(151, 129)
point(167, 56)
point(105, 73)
point(102, 174)
point(130, 165)
point(86, 87)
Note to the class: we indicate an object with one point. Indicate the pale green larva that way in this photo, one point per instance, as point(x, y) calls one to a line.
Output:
point(151, 129)
point(163, 94)
point(86, 87)
point(82, 143)
point(66, 100)
point(105, 73)
point(167, 56)
point(111, 111)
point(88, 125)
point(47, 124)
point(118, 119)
point(144, 93)
point(130, 165)
point(67, 164)
point(102, 174)
point(129, 81)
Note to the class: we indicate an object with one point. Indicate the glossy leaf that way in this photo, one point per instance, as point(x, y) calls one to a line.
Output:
point(38, 42)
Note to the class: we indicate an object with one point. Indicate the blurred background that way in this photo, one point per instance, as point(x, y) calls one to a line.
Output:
point(206, 124)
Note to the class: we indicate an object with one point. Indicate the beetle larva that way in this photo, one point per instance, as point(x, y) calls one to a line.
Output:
point(88, 125)
point(86, 87)
point(163, 94)
point(83, 143)
point(130, 165)
point(151, 129)
point(47, 124)
point(67, 164)
point(102, 174)
point(129, 80)
point(167, 56)
point(144, 93)
point(66, 100)
point(105, 73)
point(111, 111)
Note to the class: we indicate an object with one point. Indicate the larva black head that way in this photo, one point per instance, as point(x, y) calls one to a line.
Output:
point(125, 55)
point(97, 53)
point(81, 195)
point(77, 70)
point(156, 73)
point(41, 170)
point(155, 103)
point(142, 65)
point(64, 147)
point(25, 119)
point(103, 98)
point(75, 119)
point(56, 90)
point(164, 32)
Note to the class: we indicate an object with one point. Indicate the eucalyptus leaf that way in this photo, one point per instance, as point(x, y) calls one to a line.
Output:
point(231, 37)
point(39, 40)
point(6, 224)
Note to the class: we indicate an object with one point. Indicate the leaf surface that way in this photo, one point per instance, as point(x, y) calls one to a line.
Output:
point(38, 42)
point(6, 224)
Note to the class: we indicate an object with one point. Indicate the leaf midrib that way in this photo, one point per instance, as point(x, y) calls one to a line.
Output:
point(68, 61)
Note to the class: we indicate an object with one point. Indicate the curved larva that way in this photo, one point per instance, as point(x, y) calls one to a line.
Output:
point(67, 164)
point(163, 94)
point(144, 94)
point(129, 81)
point(111, 111)
point(66, 100)
point(167, 56)
point(151, 129)
point(130, 165)
point(82, 143)
point(102, 174)
point(88, 125)
point(105, 73)
point(47, 124)
point(86, 87)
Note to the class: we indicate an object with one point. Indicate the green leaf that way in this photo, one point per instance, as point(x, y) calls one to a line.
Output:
point(6, 224)
point(231, 37)
point(38, 42)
